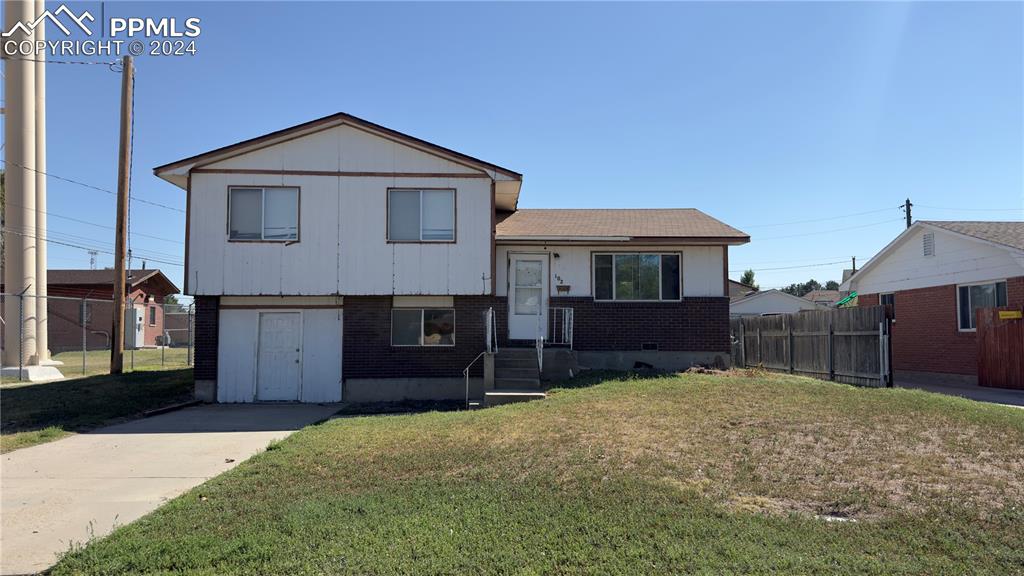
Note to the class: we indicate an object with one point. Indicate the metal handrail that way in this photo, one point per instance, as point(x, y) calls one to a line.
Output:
point(465, 374)
point(540, 340)
point(561, 331)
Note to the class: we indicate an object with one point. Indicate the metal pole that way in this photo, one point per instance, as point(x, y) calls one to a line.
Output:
point(188, 353)
point(84, 337)
point(163, 348)
point(41, 303)
point(21, 336)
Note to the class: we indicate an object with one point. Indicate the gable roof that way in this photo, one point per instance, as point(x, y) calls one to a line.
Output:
point(75, 277)
point(739, 290)
point(1003, 234)
point(822, 295)
point(1006, 233)
point(773, 292)
point(179, 167)
point(617, 225)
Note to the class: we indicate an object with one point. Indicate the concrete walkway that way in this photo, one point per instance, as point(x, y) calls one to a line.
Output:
point(65, 491)
point(972, 391)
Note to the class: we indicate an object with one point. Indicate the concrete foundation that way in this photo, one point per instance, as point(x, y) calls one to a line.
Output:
point(941, 378)
point(33, 373)
point(671, 361)
point(397, 389)
point(206, 391)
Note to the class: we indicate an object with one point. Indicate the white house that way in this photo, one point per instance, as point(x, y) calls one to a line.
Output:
point(768, 302)
point(935, 275)
point(342, 260)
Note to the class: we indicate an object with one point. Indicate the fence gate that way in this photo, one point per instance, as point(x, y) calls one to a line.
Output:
point(1001, 347)
point(850, 345)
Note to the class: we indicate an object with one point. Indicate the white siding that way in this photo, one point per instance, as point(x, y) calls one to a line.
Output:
point(321, 355)
point(702, 267)
point(957, 260)
point(771, 302)
point(343, 148)
point(343, 247)
point(236, 355)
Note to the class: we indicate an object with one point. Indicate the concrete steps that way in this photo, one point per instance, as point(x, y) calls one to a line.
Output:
point(516, 377)
point(499, 397)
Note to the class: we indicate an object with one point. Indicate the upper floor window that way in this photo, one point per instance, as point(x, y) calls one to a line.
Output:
point(623, 276)
point(970, 298)
point(421, 215)
point(268, 214)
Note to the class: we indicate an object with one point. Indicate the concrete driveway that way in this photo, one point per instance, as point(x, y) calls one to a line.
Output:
point(972, 391)
point(65, 491)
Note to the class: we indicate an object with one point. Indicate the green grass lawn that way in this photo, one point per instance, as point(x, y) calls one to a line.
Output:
point(35, 413)
point(98, 361)
point(704, 474)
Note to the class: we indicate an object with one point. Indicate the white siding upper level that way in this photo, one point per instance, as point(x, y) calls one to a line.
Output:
point(703, 267)
point(953, 259)
point(343, 246)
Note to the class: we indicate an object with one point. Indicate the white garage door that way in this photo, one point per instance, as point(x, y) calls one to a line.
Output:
point(279, 355)
point(279, 369)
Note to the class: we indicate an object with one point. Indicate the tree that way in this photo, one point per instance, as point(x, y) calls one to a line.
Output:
point(798, 289)
point(748, 279)
point(171, 304)
point(831, 285)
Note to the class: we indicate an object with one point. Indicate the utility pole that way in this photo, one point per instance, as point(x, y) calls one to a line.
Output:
point(124, 163)
point(906, 208)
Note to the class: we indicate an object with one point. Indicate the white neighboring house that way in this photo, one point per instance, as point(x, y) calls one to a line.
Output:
point(769, 302)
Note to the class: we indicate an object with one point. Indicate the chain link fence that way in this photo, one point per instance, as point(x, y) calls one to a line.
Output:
point(157, 336)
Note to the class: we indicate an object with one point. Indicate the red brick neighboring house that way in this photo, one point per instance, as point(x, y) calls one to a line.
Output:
point(147, 288)
point(934, 275)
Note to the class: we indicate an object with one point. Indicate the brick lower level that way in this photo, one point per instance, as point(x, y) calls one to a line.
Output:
point(926, 336)
point(690, 325)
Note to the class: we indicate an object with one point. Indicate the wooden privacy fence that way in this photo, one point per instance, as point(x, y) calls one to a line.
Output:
point(850, 345)
point(1000, 347)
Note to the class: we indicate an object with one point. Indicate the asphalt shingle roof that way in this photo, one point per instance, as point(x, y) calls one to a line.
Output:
point(633, 223)
point(1006, 233)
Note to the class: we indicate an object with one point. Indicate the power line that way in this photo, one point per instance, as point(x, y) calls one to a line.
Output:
point(7, 230)
point(818, 219)
point(96, 224)
point(971, 209)
point(793, 267)
point(830, 231)
point(67, 236)
point(108, 64)
point(91, 187)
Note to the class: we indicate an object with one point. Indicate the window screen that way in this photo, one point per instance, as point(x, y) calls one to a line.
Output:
point(263, 214)
point(421, 215)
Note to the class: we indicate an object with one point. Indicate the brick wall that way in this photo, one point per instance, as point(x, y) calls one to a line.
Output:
point(925, 336)
point(207, 315)
point(690, 325)
point(368, 352)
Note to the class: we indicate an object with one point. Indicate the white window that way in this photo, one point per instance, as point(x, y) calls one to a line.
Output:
point(637, 276)
point(970, 298)
point(421, 215)
point(422, 327)
point(267, 214)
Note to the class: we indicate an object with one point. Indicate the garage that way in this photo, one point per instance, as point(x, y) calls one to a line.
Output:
point(279, 354)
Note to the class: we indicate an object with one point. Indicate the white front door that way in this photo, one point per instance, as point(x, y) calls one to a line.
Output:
point(527, 296)
point(278, 368)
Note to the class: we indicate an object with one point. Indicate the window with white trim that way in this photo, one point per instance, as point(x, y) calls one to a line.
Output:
point(263, 214)
point(152, 315)
point(970, 298)
point(421, 215)
point(422, 327)
point(637, 276)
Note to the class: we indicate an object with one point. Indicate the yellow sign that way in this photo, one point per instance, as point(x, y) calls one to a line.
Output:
point(1010, 314)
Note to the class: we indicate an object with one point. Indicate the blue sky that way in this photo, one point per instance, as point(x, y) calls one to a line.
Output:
point(803, 124)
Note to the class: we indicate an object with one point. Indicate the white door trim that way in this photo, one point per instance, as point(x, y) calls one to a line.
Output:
point(545, 290)
point(256, 369)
